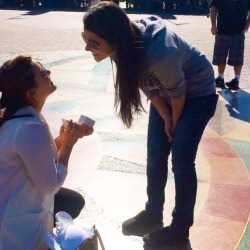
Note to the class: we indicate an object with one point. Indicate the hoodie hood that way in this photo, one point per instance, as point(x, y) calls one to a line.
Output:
point(149, 28)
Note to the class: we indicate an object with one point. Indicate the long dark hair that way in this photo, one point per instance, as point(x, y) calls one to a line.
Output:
point(16, 77)
point(112, 24)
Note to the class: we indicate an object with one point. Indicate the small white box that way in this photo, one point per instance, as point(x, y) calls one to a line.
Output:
point(87, 121)
point(82, 119)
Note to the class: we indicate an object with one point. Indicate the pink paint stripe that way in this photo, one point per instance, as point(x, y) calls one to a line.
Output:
point(224, 215)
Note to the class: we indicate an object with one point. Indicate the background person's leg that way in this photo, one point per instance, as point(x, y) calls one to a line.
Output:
point(221, 69)
point(236, 59)
point(220, 54)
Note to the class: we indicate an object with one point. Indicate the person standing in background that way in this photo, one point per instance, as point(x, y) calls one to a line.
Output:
point(230, 21)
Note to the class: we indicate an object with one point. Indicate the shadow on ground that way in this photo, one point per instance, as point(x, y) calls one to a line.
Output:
point(238, 103)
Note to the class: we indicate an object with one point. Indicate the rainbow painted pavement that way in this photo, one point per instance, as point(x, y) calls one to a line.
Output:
point(108, 168)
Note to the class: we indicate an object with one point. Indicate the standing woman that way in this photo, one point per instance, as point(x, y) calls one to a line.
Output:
point(179, 81)
point(32, 166)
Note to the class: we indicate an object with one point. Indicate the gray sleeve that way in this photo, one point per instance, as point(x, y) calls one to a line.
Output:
point(166, 71)
point(152, 93)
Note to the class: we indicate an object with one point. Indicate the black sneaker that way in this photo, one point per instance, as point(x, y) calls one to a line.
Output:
point(165, 237)
point(233, 84)
point(142, 223)
point(219, 83)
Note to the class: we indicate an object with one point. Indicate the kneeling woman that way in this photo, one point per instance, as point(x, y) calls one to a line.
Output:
point(33, 166)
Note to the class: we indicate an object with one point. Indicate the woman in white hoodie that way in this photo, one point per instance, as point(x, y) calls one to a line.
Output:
point(178, 80)
point(33, 166)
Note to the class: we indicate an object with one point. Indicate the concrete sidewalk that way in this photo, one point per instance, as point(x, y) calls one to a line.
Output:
point(108, 167)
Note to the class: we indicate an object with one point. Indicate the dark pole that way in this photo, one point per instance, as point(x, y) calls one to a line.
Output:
point(147, 4)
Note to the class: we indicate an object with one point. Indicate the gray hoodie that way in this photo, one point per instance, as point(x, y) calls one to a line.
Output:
point(173, 67)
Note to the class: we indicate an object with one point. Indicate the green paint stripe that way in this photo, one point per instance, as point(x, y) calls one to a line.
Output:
point(243, 149)
point(65, 60)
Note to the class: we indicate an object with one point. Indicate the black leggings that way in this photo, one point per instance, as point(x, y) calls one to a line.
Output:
point(68, 201)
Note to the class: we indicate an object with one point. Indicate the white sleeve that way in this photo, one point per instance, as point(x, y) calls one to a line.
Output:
point(34, 146)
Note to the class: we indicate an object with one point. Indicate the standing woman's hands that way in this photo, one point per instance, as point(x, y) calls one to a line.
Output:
point(169, 128)
point(164, 111)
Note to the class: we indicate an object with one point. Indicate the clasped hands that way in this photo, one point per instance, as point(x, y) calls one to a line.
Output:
point(70, 133)
point(169, 129)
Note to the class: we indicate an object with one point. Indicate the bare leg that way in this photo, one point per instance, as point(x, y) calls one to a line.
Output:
point(237, 69)
point(221, 68)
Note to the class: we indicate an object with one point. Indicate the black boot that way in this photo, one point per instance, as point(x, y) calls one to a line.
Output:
point(165, 237)
point(142, 223)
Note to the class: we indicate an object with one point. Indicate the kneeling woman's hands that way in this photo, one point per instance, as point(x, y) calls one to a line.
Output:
point(85, 130)
point(72, 133)
point(68, 137)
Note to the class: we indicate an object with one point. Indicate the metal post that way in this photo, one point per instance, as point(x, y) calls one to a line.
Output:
point(147, 4)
